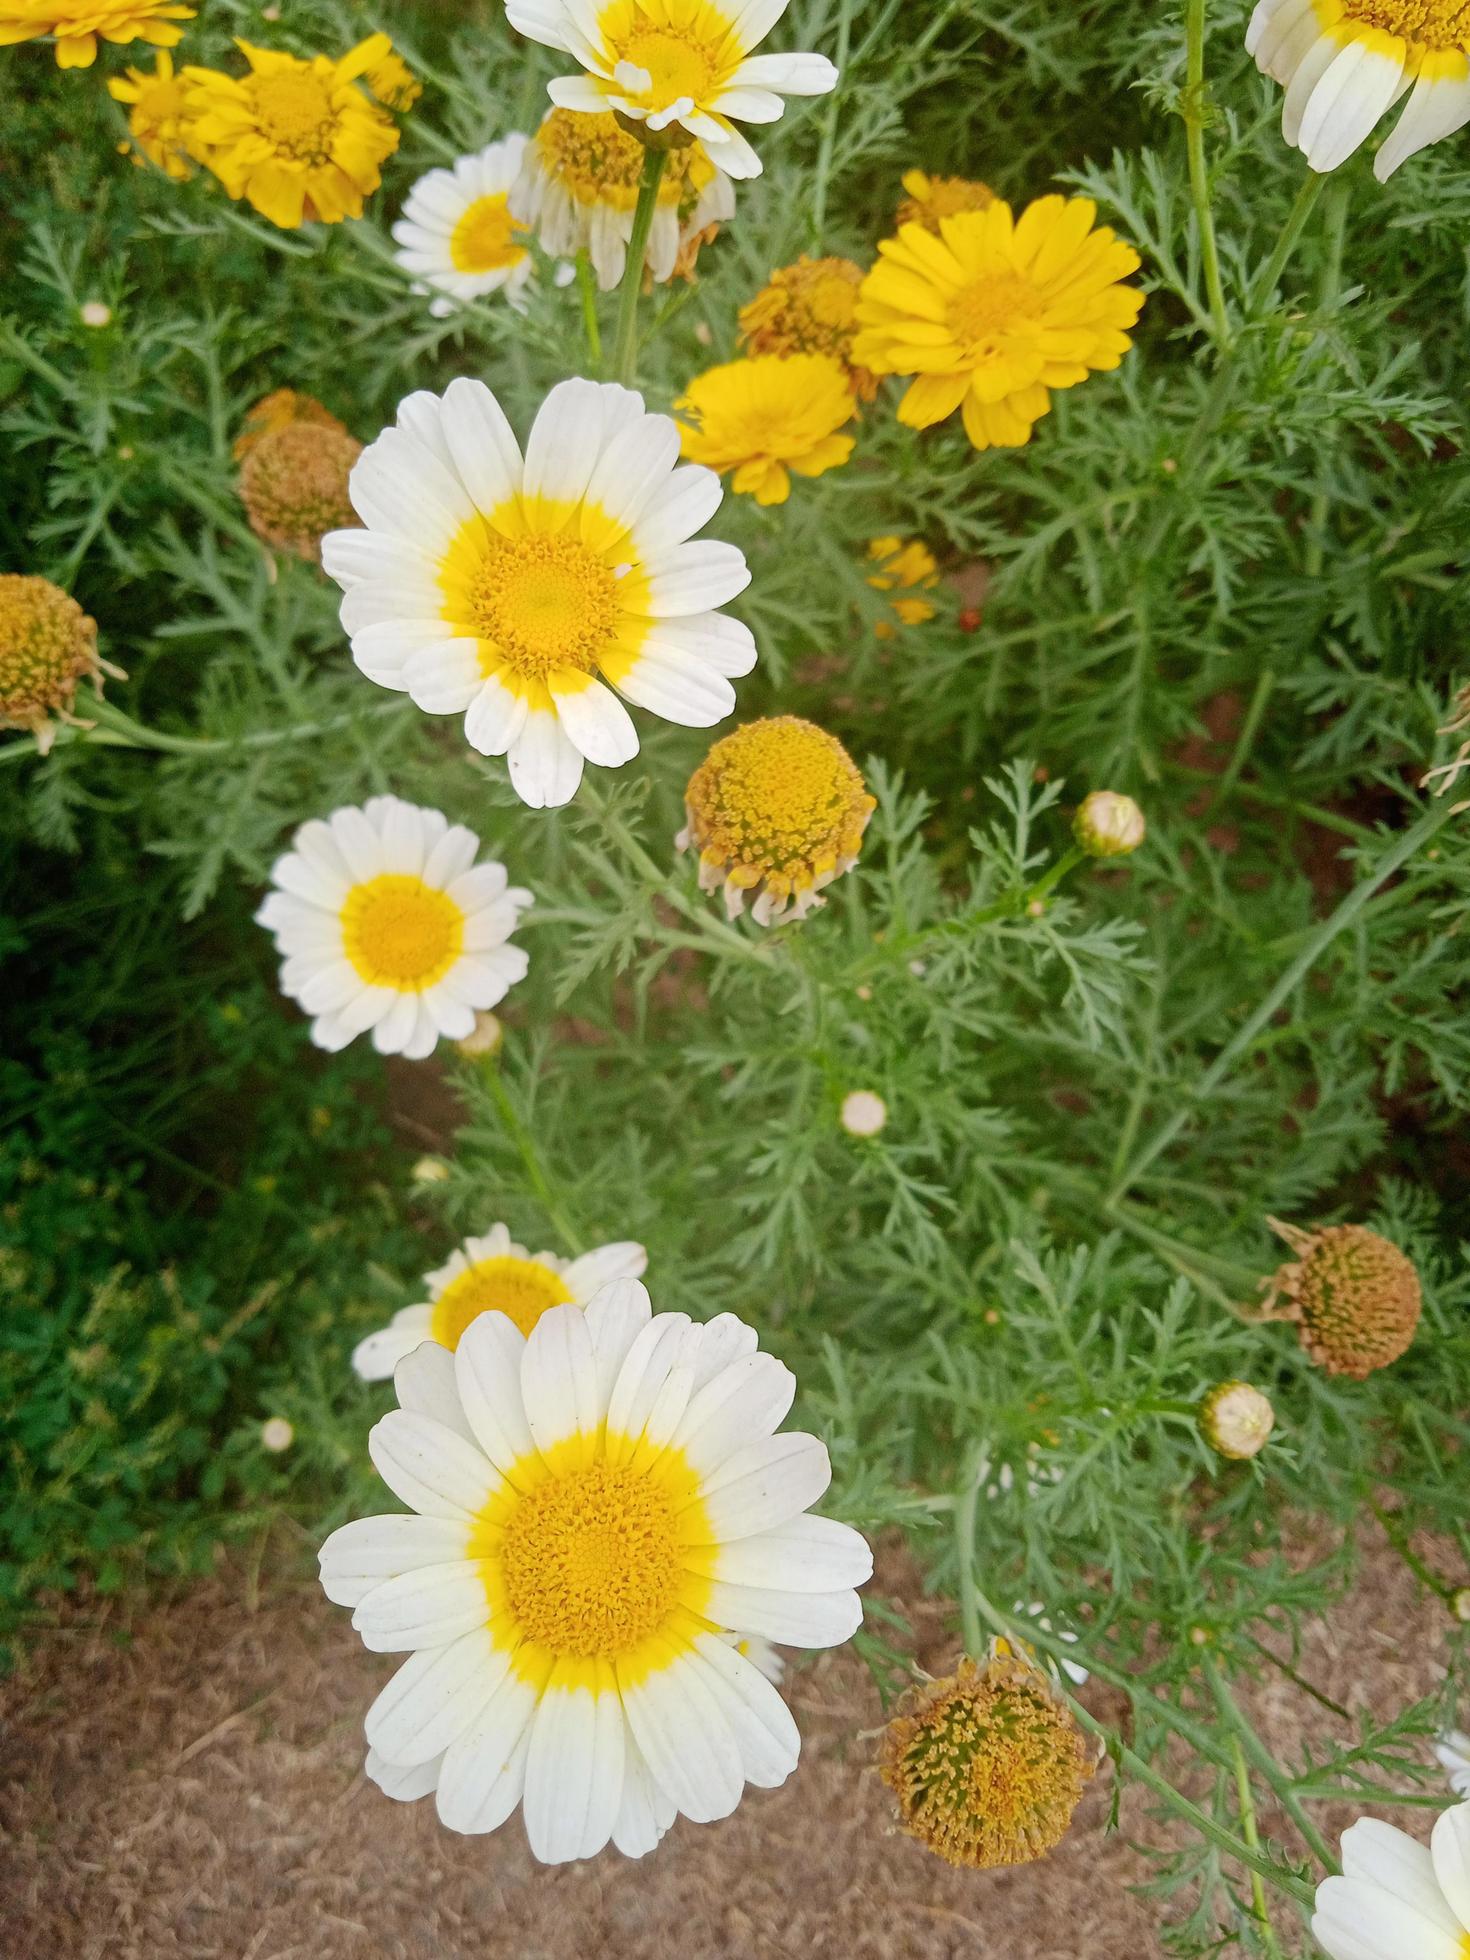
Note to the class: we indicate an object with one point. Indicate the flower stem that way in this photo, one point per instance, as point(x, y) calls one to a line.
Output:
point(119, 730)
point(525, 1143)
point(587, 288)
point(1291, 231)
point(823, 172)
point(627, 336)
point(1199, 178)
point(1259, 1910)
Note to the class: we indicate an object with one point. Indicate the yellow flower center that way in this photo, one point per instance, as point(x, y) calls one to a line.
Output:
point(543, 600)
point(294, 110)
point(399, 932)
point(485, 239)
point(780, 798)
point(980, 313)
point(590, 1562)
point(1434, 24)
point(680, 60)
point(595, 161)
point(47, 643)
point(521, 1289)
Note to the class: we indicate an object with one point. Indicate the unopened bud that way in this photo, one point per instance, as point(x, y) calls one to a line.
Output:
point(1109, 825)
point(484, 1038)
point(863, 1113)
point(430, 1170)
point(96, 313)
point(1236, 1419)
point(276, 1435)
point(1460, 1605)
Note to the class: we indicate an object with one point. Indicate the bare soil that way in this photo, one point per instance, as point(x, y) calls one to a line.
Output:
point(190, 1784)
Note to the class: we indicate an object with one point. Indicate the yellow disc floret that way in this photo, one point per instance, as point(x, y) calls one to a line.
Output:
point(78, 25)
point(47, 646)
point(521, 1289)
point(1355, 1297)
point(399, 932)
point(486, 238)
point(988, 1765)
point(293, 484)
point(540, 603)
point(932, 198)
point(158, 117)
point(809, 308)
point(597, 162)
point(766, 417)
point(779, 809)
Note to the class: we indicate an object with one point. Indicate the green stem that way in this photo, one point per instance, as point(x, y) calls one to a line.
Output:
point(588, 289)
point(965, 1508)
point(1259, 1911)
point(1285, 987)
point(1327, 292)
point(829, 127)
point(1291, 231)
point(1265, 682)
point(1246, 1738)
point(626, 356)
point(1199, 177)
point(1392, 1531)
point(525, 1143)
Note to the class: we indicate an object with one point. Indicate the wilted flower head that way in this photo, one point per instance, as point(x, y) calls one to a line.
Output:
point(987, 1765)
point(778, 810)
point(1236, 1420)
point(809, 308)
point(1354, 1296)
point(293, 484)
point(932, 198)
point(1109, 824)
point(278, 410)
point(48, 645)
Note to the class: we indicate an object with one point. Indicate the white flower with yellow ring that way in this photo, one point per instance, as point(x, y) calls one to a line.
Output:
point(519, 592)
point(492, 1274)
point(456, 234)
point(594, 1510)
point(684, 62)
point(386, 921)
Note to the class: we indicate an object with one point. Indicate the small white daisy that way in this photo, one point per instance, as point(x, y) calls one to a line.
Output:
point(501, 588)
point(578, 189)
point(493, 1274)
point(385, 921)
point(684, 62)
point(1345, 63)
point(1395, 1900)
point(1453, 1751)
point(595, 1509)
point(456, 234)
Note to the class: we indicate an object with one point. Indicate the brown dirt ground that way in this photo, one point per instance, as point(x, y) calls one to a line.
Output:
point(195, 1789)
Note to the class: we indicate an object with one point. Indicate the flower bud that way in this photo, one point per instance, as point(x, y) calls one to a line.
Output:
point(430, 1170)
point(1108, 824)
point(1236, 1420)
point(863, 1113)
point(486, 1037)
point(276, 1435)
point(95, 313)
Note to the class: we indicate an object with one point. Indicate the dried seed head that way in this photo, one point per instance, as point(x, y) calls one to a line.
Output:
point(278, 410)
point(47, 646)
point(1236, 1420)
point(1355, 1296)
point(1108, 824)
point(293, 484)
point(988, 1765)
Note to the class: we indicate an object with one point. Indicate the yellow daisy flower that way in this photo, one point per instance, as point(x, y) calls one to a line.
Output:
point(297, 139)
point(809, 308)
point(158, 120)
point(763, 418)
point(997, 311)
point(776, 811)
point(908, 567)
point(932, 198)
point(78, 25)
point(392, 82)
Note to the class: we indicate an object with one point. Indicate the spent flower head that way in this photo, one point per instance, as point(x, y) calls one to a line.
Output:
point(48, 646)
point(776, 811)
point(293, 484)
point(278, 410)
point(1354, 1295)
point(809, 308)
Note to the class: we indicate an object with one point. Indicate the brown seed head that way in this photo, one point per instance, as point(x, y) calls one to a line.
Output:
point(988, 1765)
point(293, 484)
point(1355, 1296)
point(47, 645)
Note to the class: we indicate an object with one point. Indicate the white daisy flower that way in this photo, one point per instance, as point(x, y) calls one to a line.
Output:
point(594, 1509)
point(1345, 63)
point(1395, 1900)
point(456, 234)
point(493, 1274)
point(385, 921)
point(684, 62)
point(578, 189)
point(501, 588)
point(1453, 1751)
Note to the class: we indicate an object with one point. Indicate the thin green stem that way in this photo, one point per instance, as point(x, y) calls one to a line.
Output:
point(626, 344)
point(1259, 1911)
point(1265, 682)
point(1327, 292)
point(530, 1157)
point(966, 1506)
point(121, 731)
point(1316, 945)
point(1395, 1535)
point(1193, 111)
point(823, 172)
point(1281, 1785)
point(1291, 231)
point(587, 287)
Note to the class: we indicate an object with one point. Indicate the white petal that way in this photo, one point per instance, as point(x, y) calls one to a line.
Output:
point(424, 1384)
point(1356, 1921)
point(791, 74)
point(678, 686)
point(443, 676)
point(484, 1772)
point(1449, 1845)
point(487, 1372)
point(1347, 103)
point(595, 721)
point(565, 441)
point(358, 1557)
point(807, 1554)
point(429, 1467)
point(685, 1739)
point(545, 768)
point(495, 717)
point(760, 1721)
point(588, 1275)
point(355, 557)
point(559, 1380)
point(482, 443)
point(574, 1771)
point(434, 1697)
point(646, 1812)
point(425, 1608)
point(794, 1619)
point(616, 1314)
point(663, 1345)
point(719, 1342)
point(1439, 105)
point(745, 1402)
point(695, 578)
point(763, 1485)
point(683, 504)
point(403, 1782)
point(399, 487)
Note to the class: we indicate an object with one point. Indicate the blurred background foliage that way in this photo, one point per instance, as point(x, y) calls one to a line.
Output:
point(1227, 579)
